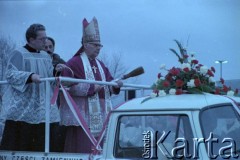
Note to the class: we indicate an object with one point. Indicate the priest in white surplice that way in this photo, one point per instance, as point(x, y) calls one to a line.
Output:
point(24, 101)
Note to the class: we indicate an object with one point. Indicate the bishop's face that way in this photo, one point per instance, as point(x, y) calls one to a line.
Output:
point(92, 49)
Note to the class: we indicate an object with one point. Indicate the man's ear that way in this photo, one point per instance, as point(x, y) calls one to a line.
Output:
point(31, 39)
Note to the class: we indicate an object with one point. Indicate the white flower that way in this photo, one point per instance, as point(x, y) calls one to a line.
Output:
point(191, 83)
point(162, 93)
point(211, 79)
point(186, 65)
point(172, 91)
point(230, 93)
point(163, 66)
point(203, 69)
point(162, 78)
point(153, 95)
point(158, 81)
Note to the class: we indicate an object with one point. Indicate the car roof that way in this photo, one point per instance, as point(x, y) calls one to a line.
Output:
point(175, 102)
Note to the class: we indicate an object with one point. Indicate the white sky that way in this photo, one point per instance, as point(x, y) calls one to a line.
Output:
point(142, 30)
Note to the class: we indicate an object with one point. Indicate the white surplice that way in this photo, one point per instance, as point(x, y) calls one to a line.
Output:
point(26, 101)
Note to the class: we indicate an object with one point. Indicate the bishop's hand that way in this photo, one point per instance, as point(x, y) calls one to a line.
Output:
point(97, 88)
point(120, 84)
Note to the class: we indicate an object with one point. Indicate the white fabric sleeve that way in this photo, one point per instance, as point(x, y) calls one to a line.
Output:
point(15, 74)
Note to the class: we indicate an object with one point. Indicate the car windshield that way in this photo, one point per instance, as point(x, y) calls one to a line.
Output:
point(138, 135)
point(221, 128)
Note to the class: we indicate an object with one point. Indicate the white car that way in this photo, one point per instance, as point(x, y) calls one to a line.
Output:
point(187, 126)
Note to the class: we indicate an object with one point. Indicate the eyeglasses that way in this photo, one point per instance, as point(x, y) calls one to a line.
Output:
point(42, 39)
point(96, 44)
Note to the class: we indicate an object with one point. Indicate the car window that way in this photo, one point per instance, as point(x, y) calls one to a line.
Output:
point(138, 135)
point(221, 122)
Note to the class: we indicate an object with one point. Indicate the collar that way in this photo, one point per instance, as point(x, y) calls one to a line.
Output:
point(30, 49)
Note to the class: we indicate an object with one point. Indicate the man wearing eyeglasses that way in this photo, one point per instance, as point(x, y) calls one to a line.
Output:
point(25, 99)
point(93, 100)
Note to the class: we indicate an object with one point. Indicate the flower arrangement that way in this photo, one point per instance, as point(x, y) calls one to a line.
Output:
point(190, 77)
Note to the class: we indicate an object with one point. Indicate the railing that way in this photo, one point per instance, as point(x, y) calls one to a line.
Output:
point(65, 79)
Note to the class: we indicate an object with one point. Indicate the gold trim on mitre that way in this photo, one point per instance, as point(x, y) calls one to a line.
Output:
point(91, 31)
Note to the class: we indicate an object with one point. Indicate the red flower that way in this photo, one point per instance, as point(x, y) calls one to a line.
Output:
point(213, 69)
point(168, 77)
point(174, 71)
point(195, 61)
point(159, 75)
point(197, 82)
point(200, 65)
point(178, 91)
point(236, 91)
point(210, 73)
point(225, 88)
point(217, 91)
point(222, 80)
point(166, 84)
point(179, 83)
point(186, 69)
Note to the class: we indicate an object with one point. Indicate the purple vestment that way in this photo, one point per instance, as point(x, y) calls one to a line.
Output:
point(76, 139)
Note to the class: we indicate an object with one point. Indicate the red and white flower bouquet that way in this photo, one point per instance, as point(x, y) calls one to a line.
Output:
point(189, 77)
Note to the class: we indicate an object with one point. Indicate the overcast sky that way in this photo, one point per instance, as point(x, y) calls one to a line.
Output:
point(142, 30)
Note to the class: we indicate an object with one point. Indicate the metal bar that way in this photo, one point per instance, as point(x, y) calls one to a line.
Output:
point(74, 80)
point(127, 89)
point(65, 79)
point(221, 70)
point(126, 95)
point(142, 92)
point(3, 82)
point(47, 114)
